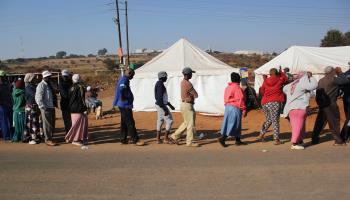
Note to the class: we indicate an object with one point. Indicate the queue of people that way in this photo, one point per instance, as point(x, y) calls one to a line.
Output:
point(28, 109)
point(32, 108)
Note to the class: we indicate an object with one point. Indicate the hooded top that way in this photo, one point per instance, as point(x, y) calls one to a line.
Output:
point(19, 100)
point(300, 97)
point(271, 90)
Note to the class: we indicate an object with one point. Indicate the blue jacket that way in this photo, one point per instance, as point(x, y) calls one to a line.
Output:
point(123, 86)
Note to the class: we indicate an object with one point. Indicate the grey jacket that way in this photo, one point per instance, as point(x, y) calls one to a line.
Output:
point(43, 96)
point(301, 95)
point(331, 84)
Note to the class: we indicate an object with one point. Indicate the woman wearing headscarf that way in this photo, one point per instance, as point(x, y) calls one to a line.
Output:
point(272, 100)
point(298, 96)
point(78, 134)
point(234, 109)
point(32, 129)
point(19, 103)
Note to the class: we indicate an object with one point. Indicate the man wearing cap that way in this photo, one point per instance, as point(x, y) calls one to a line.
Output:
point(44, 97)
point(163, 113)
point(326, 97)
point(124, 100)
point(5, 107)
point(188, 94)
point(64, 87)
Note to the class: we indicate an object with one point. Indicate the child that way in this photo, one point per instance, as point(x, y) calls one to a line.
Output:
point(19, 103)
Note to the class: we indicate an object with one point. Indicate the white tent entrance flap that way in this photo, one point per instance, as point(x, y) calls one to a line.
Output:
point(301, 58)
point(210, 79)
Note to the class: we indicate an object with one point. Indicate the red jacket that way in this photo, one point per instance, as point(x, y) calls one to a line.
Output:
point(271, 90)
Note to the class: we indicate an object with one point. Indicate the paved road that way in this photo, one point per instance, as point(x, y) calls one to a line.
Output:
point(113, 171)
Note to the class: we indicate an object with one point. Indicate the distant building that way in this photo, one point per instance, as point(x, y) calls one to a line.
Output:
point(140, 51)
point(146, 51)
point(248, 52)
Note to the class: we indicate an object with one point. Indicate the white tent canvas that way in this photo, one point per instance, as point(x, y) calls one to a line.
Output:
point(301, 58)
point(210, 79)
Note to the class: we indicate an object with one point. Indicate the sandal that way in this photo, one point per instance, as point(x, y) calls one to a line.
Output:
point(172, 141)
point(277, 142)
point(261, 138)
point(167, 141)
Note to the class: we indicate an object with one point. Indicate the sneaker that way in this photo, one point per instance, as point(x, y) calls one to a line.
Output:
point(239, 143)
point(222, 142)
point(192, 145)
point(32, 142)
point(297, 147)
point(77, 144)
point(339, 144)
point(50, 143)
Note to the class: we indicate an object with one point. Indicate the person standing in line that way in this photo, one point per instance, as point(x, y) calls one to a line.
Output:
point(345, 132)
point(44, 97)
point(298, 97)
point(188, 94)
point(19, 103)
point(124, 100)
point(272, 100)
point(64, 87)
point(32, 130)
point(235, 108)
point(326, 97)
point(78, 133)
point(163, 113)
point(5, 107)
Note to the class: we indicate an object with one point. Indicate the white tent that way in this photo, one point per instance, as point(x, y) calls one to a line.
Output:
point(210, 79)
point(301, 58)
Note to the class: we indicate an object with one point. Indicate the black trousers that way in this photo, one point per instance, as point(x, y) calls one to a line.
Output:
point(66, 115)
point(330, 115)
point(345, 132)
point(127, 126)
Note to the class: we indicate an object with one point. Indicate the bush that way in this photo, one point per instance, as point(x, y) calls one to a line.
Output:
point(110, 64)
point(3, 66)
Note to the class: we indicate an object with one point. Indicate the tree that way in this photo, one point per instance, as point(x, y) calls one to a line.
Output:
point(346, 38)
point(102, 52)
point(333, 38)
point(61, 54)
point(91, 55)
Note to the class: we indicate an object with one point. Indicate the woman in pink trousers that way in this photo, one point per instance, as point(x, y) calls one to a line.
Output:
point(298, 95)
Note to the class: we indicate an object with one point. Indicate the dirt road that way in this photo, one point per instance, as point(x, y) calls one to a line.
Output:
point(108, 170)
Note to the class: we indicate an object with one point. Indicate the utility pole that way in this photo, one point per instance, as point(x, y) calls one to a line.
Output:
point(127, 34)
point(120, 49)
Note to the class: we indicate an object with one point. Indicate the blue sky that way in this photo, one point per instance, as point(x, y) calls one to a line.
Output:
point(34, 28)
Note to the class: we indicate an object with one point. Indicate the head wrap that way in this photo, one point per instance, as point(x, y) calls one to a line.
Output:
point(296, 81)
point(29, 77)
point(76, 78)
point(19, 84)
